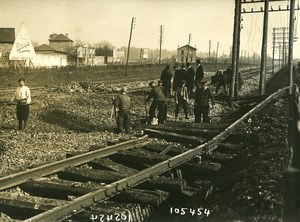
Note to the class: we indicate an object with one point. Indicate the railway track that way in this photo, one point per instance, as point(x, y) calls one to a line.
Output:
point(246, 73)
point(142, 171)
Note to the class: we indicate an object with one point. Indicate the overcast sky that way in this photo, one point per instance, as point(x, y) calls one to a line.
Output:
point(97, 20)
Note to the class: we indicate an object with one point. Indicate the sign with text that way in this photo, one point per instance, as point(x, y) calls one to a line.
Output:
point(22, 48)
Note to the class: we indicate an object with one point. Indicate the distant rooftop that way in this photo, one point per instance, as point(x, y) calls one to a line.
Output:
point(59, 38)
point(48, 48)
point(7, 35)
point(186, 46)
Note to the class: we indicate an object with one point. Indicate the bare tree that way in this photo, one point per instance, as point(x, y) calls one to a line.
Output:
point(103, 48)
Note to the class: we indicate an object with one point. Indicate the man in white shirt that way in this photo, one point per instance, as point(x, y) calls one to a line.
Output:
point(23, 98)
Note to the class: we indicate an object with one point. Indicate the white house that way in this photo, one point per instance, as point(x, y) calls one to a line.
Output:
point(50, 56)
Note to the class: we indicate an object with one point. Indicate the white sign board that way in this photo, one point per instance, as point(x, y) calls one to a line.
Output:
point(85, 51)
point(118, 53)
point(22, 48)
point(145, 53)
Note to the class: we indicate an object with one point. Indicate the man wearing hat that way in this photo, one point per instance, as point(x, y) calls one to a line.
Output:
point(158, 102)
point(166, 77)
point(202, 97)
point(181, 99)
point(23, 98)
point(199, 71)
point(190, 78)
point(123, 104)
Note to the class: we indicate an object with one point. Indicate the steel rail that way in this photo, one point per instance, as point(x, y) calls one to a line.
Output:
point(79, 204)
point(21, 177)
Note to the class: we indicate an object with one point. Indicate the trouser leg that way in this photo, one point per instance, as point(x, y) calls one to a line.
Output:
point(152, 110)
point(205, 114)
point(197, 114)
point(20, 127)
point(127, 121)
point(177, 110)
point(185, 109)
point(161, 106)
point(120, 122)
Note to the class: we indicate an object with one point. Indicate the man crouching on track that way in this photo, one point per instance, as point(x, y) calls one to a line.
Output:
point(123, 104)
point(23, 98)
point(159, 103)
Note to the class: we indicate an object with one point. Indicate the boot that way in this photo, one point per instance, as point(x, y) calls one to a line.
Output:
point(20, 127)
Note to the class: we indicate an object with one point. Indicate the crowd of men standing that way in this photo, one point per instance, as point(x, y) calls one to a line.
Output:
point(185, 80)
point(181, 85)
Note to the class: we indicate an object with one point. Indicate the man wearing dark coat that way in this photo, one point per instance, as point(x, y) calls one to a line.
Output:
point(202, 97)
point(199, 71)
point(166, 77)
point(183, 74)
point(159, 103)
point(176, 80)
point(190, 78)
point(123, 104)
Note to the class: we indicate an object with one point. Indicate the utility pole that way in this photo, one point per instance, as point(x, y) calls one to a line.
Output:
point(209, 47)
point(236, 30)
point(283, 45)
point(217, 56)
point(241, 57)
point(262, 84)
point(279, 53)
point(236, 82)
point(273, 54)
point(291, 43)
point(230, 52)
point(160, 42)
point(281, 39)
point(188, 51)
point(128, 49)
point(248, 57)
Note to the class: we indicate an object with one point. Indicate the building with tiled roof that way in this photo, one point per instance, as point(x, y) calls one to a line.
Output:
point(7, 39)
point(7, 35)
point(49, 48)
point(50, 56)
point(186, 53)
point(60, 40)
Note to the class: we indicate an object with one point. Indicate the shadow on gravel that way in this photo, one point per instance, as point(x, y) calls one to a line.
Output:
point(71, 121)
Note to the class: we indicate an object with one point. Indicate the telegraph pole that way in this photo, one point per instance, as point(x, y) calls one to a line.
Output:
point(188, 51)
point(241, 57)
point(128, 49)
point(279, 53)
point(217, 56)
point(209, 47)
point(281, 38)
point(262, 85)
point(238, 55)
point(236, 30)
point(160, 43)
point(283, 45)
point(291, 43)
point(273, 54)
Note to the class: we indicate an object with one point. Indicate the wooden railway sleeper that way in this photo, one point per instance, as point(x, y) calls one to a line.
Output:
point(163, 166)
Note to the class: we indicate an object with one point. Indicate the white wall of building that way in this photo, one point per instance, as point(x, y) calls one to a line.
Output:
point(50, 60)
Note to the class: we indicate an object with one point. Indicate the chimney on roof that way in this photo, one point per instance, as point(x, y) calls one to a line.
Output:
point(66, 34)
point(52, 35)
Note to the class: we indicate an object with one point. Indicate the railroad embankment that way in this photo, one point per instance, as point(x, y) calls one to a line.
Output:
point(111, 73)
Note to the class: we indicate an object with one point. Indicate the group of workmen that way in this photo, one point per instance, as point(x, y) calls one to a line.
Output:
point(185, 82)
